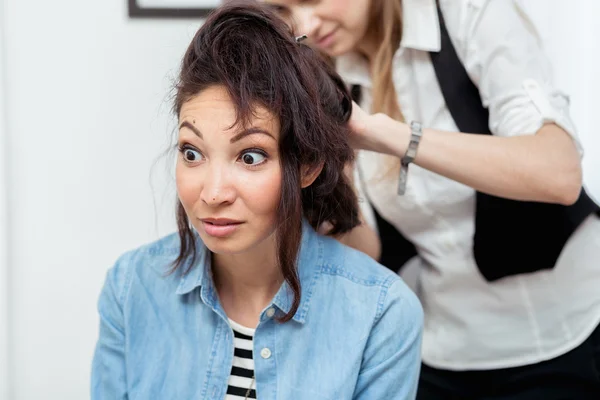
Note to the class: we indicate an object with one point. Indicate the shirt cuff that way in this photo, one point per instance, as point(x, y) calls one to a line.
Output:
point(552, 110)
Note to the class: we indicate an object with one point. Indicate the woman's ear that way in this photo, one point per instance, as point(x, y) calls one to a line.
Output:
point(310, 173)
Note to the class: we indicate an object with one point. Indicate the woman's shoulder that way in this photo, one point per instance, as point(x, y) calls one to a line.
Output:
point(149, 265)
point(344, 260)
point(153, 255)
point(371, 292)
point(352, 265)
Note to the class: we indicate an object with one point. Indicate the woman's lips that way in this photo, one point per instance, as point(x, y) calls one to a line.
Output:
point(220, 227)
point(327, 40)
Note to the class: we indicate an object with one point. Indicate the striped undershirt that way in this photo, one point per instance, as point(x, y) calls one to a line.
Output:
point(242, 370)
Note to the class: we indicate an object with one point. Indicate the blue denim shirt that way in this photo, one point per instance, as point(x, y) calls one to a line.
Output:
point(356, 334)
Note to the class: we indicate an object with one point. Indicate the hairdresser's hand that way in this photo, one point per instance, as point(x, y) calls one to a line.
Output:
point(377, 132)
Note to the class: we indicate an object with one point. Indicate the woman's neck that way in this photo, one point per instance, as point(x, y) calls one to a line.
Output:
point(246, 283)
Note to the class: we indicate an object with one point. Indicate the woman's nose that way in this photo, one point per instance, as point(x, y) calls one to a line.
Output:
point(218, 188)
point(307, 22)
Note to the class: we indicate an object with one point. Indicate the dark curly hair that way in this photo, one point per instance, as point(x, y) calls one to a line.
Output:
point(252, 53)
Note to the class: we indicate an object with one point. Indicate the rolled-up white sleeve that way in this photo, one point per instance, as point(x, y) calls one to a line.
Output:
point(503, 55)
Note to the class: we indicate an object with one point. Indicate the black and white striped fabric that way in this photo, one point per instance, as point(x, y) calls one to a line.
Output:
point(242, 370)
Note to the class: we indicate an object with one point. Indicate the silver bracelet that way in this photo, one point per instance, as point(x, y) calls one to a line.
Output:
point(416, 132)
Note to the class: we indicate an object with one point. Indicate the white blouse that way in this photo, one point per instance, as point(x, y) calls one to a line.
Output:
point(470, 323)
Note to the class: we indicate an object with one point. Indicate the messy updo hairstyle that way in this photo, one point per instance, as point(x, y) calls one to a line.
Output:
point(251, 52)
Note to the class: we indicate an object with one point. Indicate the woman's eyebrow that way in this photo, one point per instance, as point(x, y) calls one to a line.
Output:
point(250, 131)
point(187, 124)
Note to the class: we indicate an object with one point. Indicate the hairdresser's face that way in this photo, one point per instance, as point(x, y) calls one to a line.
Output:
point(228, 179)
point(334, 26)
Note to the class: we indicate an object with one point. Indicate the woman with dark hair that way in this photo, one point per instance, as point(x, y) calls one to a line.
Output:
point(248, 301)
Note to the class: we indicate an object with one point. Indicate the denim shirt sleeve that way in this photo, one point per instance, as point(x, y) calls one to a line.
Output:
point(392, 357)
point(108, 366)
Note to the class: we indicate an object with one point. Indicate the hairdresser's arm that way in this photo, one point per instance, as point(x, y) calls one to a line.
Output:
point(534, 152)
point(544, 167)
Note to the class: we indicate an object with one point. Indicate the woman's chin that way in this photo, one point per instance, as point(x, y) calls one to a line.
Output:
point(223, 246)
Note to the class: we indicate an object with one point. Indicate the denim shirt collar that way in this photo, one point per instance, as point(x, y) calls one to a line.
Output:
point(310, 259)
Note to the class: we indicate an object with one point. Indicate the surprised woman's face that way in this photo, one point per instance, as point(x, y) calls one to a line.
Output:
point(228, 176)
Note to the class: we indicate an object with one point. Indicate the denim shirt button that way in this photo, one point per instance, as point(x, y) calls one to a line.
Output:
point(265, 353)
point(270, 312)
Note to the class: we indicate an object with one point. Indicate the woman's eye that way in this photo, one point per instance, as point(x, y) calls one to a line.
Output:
point(191, 155)
point(281, 10)
point(253, 158)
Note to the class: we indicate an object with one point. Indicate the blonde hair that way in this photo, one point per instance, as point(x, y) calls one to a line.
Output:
point(385, 28)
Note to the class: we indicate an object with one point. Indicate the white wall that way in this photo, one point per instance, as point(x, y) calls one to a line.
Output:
point(4, 296)
point(571, 33)
point(87, 116)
